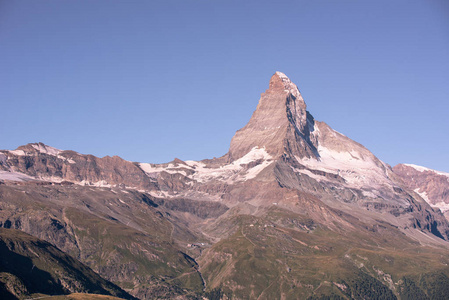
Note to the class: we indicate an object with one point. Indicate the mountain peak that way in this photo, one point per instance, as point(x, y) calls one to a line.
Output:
point(279, 123)
point(39, 148)
point(280, 82)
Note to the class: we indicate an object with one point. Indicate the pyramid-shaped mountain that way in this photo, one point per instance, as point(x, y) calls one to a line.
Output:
point(280, 124)
point(294, 210)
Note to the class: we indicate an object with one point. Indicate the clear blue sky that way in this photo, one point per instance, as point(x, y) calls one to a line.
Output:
point(154, 80)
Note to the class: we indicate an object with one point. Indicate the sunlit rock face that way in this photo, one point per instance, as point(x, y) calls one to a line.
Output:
point(431, 185)
point(279, 124)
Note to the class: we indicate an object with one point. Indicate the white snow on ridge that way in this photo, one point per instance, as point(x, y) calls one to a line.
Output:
point(235, 171)
point(230, 173)
point(151, 169)
point(357, 169)
point(423, 169)
point(69, 160)
point(444, 207)
point(310, 174)
point(17, 152)
point(423, 195)
point(46, 149)
point(441, 205)
point(101, 183)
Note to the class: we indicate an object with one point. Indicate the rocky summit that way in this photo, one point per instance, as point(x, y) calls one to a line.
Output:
point(294, 210)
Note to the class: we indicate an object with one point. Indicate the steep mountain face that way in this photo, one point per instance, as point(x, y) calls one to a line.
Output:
point(279, 124)
point(293, 210)
point(29, 266)
point(431, 185)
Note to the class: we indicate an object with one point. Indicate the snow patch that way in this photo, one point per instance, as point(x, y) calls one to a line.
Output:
point(41, 148)
point(423, 195)
point(440, 205)
point(69, 160)
point(444, 207)
point(310, 174)
point(161, 194)
point(17, 152)
point(46, 149)
point(55, 179)
point(101, 183)
point(152, 170)
point(369, 194)
point(282, 76)
point(235, 171)
point(15, 176)
point(357, 169)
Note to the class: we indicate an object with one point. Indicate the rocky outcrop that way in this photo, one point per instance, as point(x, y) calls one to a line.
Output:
point(431, 185)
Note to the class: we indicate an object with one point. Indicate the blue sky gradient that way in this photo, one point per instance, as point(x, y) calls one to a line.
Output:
point(154, 80)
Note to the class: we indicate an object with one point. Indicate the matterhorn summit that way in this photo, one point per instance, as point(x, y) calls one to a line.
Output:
point(280, 123)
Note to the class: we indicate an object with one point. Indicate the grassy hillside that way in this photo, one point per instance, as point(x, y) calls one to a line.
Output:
point(280, 254)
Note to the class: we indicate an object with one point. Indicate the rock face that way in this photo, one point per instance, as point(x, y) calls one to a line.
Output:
point(293, 210)
point(280, 123)
point(431, 185)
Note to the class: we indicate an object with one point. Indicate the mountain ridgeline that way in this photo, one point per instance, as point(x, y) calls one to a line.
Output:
point(294, 210)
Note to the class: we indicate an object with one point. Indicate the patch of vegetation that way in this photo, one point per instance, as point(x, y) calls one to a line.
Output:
point(410, 291)
point(363, 286)
point(436, 285)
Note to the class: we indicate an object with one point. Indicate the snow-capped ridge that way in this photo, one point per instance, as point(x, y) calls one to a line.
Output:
point(238, 170)
point(235, 171)
point(424, 169)
point(42, 148)
point(355, 168)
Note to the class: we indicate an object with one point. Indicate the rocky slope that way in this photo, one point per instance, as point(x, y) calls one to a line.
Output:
point(29, 266)
point(293, 210)
point(431, 185)
point(122, 235)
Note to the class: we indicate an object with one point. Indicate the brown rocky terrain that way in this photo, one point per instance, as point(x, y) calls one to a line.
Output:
point(431, 185)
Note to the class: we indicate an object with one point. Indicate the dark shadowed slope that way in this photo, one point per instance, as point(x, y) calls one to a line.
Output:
point(29, 266)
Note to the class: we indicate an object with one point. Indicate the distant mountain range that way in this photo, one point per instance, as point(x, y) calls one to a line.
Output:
point(294, 210)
